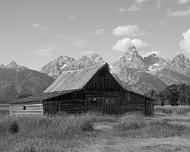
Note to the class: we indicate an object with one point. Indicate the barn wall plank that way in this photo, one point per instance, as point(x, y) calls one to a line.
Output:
point(30, 109)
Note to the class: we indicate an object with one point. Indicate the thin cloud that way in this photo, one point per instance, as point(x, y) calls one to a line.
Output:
point(39, 26)
point(72, 17)
point(99, 31)
point(141, 1)
point(181, 13)
point(45, 52)
point(74, 40)
point(36, 25)
point(81, 43)
point(158, 3)
point(124, 44)
point(183, 1)
point(134, 8)
point(136, 5)
point(128, 30)
point(122, 10)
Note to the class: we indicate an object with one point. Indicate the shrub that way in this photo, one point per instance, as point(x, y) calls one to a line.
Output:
point(130, 122)
point(14, 127)
point(86, 124)
point(8, 124)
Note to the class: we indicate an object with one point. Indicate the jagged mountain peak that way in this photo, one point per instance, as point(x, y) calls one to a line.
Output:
point(97, 58)
point(180, 58)
point(153, 55)
point(181, 64)
point(2, 66)
point(181, 55)
point(56, 67)
point(15, 66)
point(84, 58)
point(153, 58)
point(130, 59)
point(12, 64)
point(132, 51)
point(63, 58)
point(154, 63)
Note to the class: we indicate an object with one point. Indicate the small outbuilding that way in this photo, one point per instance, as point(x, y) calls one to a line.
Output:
point(78, 91)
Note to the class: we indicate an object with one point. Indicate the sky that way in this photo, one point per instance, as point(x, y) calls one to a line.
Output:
point(35, 32)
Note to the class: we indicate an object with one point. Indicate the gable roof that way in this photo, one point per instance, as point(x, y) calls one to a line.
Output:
point(68, 82)
point(74, 80)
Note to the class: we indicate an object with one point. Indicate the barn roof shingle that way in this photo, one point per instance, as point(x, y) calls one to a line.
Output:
point(72, 80)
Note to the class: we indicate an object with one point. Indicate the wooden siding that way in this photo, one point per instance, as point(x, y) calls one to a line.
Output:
point(103, 80)
point(132, 106)
point(68, 106)
point(26, 109)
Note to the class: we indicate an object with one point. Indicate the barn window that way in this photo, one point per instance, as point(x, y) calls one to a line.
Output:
point(93, 99)
point(24, 107)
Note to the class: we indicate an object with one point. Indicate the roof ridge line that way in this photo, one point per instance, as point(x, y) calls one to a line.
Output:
point(85, 68)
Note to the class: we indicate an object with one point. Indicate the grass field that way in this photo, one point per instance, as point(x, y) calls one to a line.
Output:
point(168, 130)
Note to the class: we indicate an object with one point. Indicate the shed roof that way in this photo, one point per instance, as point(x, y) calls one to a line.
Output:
point(38, 98)
point(76, 79)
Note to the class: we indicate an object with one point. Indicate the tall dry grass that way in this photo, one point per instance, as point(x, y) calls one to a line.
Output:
point(172, 110)
point(138, 126)
point(49, 133)
point(73, 132)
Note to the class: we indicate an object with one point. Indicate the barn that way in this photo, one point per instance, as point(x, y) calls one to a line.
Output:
point(78, 91)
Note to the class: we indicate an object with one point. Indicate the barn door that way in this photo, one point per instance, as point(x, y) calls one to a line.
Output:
point(111, 105)
point(52, 107)
point(92, 103)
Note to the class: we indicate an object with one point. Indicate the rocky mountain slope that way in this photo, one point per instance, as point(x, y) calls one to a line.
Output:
point(130, 59)
point(56, 67)
point(15, 80)
point(154, 63)
point(136, 72)
point(180, 64)
point(139, 81)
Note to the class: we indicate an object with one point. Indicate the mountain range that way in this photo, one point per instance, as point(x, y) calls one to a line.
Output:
point(137, 72)
point(56, 67)
point(132, 70)
point(16, 80)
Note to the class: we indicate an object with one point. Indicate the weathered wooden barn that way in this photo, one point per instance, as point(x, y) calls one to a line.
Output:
point(78, 91)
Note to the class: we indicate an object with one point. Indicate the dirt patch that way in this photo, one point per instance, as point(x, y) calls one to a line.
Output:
point(104, 126)
point(111, 143)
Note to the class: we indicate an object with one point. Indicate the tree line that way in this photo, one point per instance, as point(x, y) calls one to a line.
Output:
point(175, 94)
